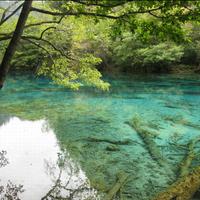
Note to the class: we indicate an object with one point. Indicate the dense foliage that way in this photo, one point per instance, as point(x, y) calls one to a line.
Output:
point(131, 36)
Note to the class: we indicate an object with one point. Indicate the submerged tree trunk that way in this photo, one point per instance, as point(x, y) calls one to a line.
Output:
point(10, 50)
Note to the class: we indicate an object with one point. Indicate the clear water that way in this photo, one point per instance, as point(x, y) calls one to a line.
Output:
point(59, 142)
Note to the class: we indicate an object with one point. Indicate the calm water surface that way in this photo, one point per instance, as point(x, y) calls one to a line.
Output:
point(59, 143)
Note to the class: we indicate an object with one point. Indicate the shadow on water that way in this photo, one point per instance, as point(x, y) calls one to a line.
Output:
point(78, 145)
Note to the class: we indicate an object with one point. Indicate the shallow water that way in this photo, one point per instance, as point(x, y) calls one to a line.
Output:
point(60, 143)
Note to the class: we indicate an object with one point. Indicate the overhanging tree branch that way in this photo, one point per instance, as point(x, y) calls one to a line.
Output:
point(45, 30)
point(111, 4)
point(68, 13)
point(5, 65)
point(95, 14)
point(46, 41)
point(40, 38)
point(7, 36)
point(41, 47)
point(45, 22)
point(49, 43)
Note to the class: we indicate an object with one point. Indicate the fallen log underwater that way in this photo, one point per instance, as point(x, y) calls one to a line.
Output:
point(183, 189)
point(188, 183)
point(122, 178)
point(187, 160)
point(147, 138)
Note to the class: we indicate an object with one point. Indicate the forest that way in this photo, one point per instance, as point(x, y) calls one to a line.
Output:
point(72, 42)
point(99, 100)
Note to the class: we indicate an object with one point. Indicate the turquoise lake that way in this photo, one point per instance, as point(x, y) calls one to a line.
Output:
point(57, 143)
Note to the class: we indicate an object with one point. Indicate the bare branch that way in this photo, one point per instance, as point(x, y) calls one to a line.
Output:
point(47, 42)
point(109, 5)
point(30, 38)
point(48, 12)
point(41, 47)
point(94, 14)
point(36, 44)
point(43, 32)
point(156, 16)
point(3, 20)
point(45, 22)
point(7, 36)
point(7, 9)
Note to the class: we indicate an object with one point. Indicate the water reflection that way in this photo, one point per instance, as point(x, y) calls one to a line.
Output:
point(33, 166)
point(69, 183)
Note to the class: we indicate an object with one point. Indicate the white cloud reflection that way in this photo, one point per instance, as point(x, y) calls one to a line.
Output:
point(32, 154)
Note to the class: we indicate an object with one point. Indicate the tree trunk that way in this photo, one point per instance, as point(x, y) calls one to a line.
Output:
point(10, 50)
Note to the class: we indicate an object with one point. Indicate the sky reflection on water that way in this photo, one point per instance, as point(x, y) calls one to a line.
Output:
point(32, 153)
